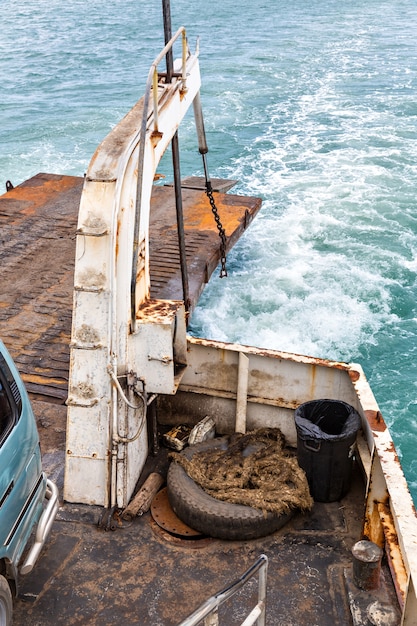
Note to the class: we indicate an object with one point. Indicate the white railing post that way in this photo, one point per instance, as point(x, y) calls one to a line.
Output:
point(212, 619)
point(208, 611)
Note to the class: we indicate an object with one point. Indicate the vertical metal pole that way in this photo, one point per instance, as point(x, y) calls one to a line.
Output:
point(153, 428)
point(176, 165)
point(166, 8)
point(263, 574)
point(180, 220)
point(199, 123)
point(242, 393)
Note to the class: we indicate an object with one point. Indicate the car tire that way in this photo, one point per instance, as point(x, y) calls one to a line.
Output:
point(6, 603)
point(212, 517)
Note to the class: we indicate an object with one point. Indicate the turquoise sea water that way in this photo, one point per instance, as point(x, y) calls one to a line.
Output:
point(312, 106)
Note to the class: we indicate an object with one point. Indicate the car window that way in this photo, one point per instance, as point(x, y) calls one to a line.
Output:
point(10, 400)
point(7, 412)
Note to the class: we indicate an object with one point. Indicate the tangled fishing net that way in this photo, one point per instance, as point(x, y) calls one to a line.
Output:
point(256, 469)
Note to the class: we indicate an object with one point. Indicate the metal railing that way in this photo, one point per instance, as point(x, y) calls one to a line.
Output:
point(208, 610)
point(151, 86)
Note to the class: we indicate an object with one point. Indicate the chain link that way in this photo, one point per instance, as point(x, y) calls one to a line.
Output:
point(222, 233)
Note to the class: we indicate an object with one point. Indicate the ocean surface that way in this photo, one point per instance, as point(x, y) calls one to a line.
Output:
point(311, 106)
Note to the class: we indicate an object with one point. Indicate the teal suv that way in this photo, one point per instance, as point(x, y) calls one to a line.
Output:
point(28, 500)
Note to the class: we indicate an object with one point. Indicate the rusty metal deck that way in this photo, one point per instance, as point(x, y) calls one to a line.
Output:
point(37, 230)
point(140, 574)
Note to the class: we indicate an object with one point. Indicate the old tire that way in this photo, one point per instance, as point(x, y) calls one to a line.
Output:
point(6, 603)
point(212, 517)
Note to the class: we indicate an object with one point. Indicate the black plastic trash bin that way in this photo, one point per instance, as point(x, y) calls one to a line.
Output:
point(326, 431)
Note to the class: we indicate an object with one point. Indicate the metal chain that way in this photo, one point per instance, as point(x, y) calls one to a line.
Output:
point(209, 193)
point(222, 233)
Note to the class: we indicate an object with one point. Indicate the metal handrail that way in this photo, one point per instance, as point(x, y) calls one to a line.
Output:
point(152, 81)
point(257, 615)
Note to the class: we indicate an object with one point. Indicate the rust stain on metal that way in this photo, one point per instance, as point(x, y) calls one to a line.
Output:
point(391, 449)
point(156, 137)
point(117, 235)
point(393, 551)
point(195, 544)
point(42, 379)
point(336, 364)
point(165, 517)
point(375, 420)
point(307, 359)
point(281, 356)
point(156, 310)
point(354, 375)
point(313, 381)
point(293, 404)
point(373, 530)
point(38, 192)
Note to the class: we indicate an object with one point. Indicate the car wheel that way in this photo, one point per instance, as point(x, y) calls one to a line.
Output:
point(6, 603)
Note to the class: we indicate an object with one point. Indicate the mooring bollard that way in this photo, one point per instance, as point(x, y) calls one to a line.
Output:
point(367, 558)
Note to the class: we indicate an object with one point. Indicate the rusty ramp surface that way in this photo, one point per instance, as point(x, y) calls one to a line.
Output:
point(38, 221)
point(202, 241)
point(37, 225)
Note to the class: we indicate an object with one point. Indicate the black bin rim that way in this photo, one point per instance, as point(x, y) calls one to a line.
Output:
point(310, 424)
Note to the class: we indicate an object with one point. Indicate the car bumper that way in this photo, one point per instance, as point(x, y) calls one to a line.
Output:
point(43, 528)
